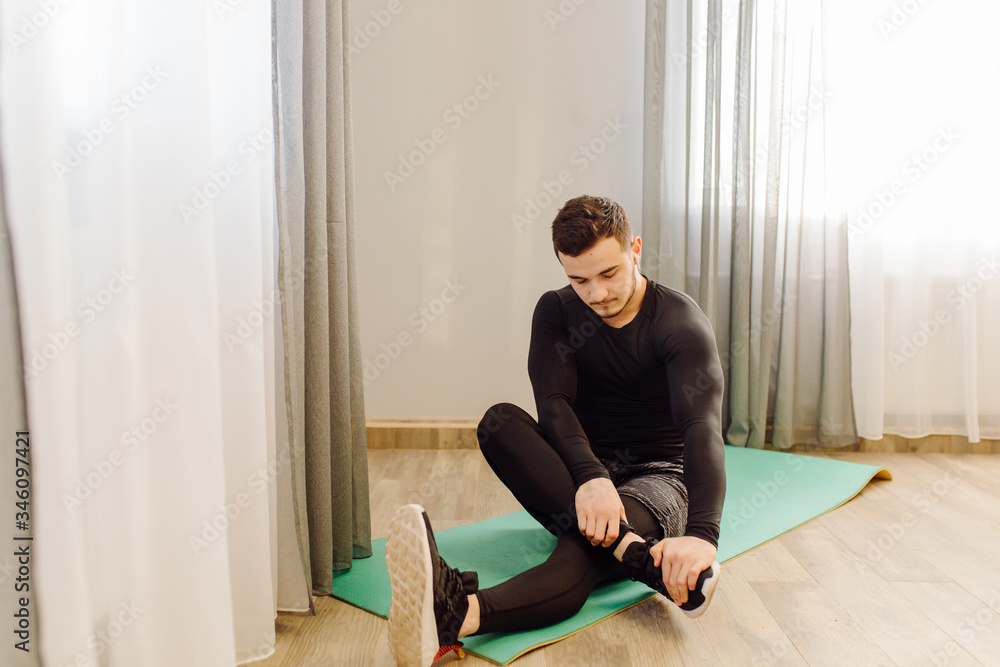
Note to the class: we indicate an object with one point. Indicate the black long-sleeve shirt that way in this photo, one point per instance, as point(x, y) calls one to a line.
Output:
point(648, 391)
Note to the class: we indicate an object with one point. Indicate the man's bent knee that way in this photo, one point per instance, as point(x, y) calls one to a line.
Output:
point(494, 420)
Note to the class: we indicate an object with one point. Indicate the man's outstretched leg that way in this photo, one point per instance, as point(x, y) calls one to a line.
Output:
point(430, 600)
point(433, 604)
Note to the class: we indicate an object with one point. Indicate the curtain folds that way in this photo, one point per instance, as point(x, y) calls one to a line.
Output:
point(136, 150)
point(737, 210)
point(317, 269)
point(919, 144)
point(13, 426)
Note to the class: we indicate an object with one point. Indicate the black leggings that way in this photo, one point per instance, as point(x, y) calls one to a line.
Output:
point(515, 447)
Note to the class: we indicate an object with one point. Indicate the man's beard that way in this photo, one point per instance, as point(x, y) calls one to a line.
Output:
point(635, 285)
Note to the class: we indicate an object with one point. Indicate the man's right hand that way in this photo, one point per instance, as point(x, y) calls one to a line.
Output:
point(599, 510)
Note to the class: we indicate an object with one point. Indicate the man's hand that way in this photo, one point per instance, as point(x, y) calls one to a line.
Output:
point(682, 559)
point(599, 510)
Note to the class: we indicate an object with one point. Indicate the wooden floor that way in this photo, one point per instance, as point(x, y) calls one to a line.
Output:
point(906, 573)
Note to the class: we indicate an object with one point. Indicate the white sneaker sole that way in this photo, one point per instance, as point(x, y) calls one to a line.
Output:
point(708, 591)
point(412, 627)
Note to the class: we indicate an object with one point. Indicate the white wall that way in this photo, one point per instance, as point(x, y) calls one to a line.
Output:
point(559, 85)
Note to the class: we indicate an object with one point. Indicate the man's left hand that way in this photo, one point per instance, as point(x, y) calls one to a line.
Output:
point(682, 560)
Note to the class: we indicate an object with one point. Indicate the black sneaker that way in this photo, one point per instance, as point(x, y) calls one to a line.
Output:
point(639, 566)
point(429, 599)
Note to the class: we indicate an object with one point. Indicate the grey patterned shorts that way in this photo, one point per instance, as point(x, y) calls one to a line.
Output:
point(659, 485)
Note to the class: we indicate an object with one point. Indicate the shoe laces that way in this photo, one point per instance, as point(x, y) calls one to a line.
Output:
point(453, 590)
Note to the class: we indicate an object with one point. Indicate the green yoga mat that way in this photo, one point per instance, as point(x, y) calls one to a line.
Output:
point(768, 493)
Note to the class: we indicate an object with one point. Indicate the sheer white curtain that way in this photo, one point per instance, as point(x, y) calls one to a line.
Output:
point(136, 145)
point(914, 91)
point(739, 212)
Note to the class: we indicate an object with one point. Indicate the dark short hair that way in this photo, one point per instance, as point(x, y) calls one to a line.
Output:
point(584, 221)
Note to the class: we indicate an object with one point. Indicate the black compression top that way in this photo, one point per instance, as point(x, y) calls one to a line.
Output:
point(648, 391)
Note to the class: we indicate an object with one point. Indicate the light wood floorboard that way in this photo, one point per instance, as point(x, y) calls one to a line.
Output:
point(907, 573)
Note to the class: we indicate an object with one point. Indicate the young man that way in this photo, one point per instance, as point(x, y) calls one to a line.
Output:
point(625, 464)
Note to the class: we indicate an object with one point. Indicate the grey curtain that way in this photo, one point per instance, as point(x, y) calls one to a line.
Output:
point(324, 400)
point(13, 418)
point(736, 209)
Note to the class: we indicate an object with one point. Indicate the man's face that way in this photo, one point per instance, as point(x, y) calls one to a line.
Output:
point(604, 275)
